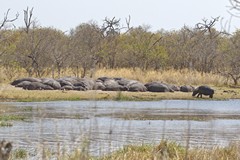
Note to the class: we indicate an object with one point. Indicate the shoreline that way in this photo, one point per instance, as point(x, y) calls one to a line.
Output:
point(11, 93)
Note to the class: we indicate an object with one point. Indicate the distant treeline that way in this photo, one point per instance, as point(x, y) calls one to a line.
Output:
point(40, 50)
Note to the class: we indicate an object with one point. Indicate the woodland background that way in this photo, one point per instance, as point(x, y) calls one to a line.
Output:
point(39, 51)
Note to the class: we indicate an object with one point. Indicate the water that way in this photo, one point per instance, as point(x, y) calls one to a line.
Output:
point(109, 125)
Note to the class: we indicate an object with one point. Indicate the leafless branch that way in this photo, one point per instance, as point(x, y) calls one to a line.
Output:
point(6, 20)
point(206, 25)
point(111, 26)
point(127, 20)
point(28, 19)
point(225, 28)
point(235, 4)
point(234, 8)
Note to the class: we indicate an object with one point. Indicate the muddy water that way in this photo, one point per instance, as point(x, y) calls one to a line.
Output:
point(109, 125)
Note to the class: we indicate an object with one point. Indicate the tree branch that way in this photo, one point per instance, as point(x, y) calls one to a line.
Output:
point(6, 20)
point(28, 19)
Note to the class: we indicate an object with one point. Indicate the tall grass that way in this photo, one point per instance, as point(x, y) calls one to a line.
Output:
point(166, 150)
point(173, 151)
point(172, 76)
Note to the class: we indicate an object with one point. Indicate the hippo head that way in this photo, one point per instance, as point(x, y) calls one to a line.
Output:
point(194, 92)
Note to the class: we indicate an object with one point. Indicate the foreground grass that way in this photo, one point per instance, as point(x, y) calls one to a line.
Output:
point(172, 151)
point(164, 151)
point(10, 93)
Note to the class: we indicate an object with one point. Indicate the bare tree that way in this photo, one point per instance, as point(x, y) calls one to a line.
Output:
point(3, 35)
point(111, 31)
point(207, 41)
point(28, 19)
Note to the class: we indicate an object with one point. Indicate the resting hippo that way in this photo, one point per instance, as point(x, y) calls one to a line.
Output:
point(187, 88)
point(203, 90)
point(158, 87)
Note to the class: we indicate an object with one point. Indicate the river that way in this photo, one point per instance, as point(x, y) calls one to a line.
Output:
point(105, 126)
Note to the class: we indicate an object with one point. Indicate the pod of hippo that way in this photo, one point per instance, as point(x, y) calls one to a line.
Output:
point(105, 84)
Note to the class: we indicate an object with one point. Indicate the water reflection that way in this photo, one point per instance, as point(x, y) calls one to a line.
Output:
point(108, 125)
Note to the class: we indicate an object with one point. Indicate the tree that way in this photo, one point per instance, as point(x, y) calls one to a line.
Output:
point(86, 43)
point(143, 49)
point(207, 44)
point(180, 45)
point(4, 35)
point(8, 37)
point(8, 61)
point(59, 50)
point(229, 60)
point(112, 30)
point(34, 50)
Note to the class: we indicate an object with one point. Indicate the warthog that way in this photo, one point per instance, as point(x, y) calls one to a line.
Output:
point(203, 90)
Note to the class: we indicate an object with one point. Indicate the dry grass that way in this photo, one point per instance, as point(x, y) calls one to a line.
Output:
point(173, 151)
point(164, 151)
point(11, 93)
point(178, 77)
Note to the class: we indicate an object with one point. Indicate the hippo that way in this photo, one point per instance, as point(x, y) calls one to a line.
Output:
point(203, 90)
point(37, 86)
point(30, 79)
point(136, 87)
point(52, 83)
point(111, 84)
point(187, 88)
point(158, 87)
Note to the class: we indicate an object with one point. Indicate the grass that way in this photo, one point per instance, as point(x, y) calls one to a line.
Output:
point(10, 93)
point(5, 124)
point(178, 77)
point(174, 151)
point(20, 154)
point(11, 118)
point(165, 150)
point(6, 120)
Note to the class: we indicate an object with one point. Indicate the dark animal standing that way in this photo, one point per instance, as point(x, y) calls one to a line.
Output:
point(203, 90)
